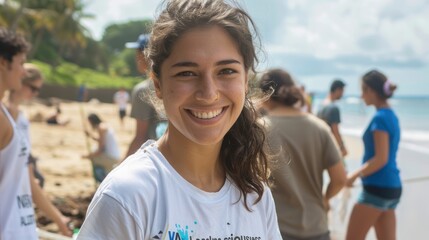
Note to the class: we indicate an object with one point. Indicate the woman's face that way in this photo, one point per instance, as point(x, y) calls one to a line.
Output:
point(203, 85)
point(31, 89)
point(368, 95)
point(12, 72)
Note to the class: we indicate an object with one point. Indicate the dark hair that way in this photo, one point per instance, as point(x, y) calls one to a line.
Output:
point(378, 82)
point(179, 16)
point(243, 151)
point(282, 87)
point(337, 84)
point(11, 44)
point(94, 119)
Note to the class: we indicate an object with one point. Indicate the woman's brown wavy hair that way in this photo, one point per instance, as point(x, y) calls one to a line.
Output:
point(282, 87)
point(243, 152)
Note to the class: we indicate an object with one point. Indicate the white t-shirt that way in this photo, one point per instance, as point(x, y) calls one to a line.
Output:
point(16, 207)
point(145, 198)
point(111, 145)
point(121, 98)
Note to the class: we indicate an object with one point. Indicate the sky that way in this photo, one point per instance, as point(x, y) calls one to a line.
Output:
point(319, 40)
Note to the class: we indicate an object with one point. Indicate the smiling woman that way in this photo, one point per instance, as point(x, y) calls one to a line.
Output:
point(207, 175)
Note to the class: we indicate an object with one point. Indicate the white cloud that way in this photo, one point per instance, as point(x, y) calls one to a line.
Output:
point(321, 28)
point(113, 11)
point(327, 29)
point(320, 39)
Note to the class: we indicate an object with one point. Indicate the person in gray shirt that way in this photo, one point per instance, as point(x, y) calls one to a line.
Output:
point(330, 112)
point(148, 124)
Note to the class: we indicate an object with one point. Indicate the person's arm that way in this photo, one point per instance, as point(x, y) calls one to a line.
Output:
point(101, 143)
point(338, 179)
point(381, 141)
point(139, 138)
point(6, 132)
point(336, 132)
point(44, 204)
point(88, 133)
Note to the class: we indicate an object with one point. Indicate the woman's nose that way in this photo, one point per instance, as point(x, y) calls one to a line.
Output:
point(207, 89)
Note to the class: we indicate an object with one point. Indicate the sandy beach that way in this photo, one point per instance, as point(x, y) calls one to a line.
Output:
point(70, 185)
point(68, 177)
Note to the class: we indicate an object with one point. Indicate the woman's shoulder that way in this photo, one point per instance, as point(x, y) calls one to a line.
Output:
point(138, 174)
point(266, 201)
point(383, 114)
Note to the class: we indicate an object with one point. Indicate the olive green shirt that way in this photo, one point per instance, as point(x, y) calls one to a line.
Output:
point(304, 147)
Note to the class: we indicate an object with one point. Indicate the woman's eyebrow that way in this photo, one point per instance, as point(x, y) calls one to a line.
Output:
point(193, 64)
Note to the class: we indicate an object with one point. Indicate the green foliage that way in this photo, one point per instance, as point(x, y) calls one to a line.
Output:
point(114, 38)
point(116, 35)
point(58, 39)
point(67, 74)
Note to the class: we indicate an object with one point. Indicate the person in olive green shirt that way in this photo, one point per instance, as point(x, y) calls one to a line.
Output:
point(304, 148)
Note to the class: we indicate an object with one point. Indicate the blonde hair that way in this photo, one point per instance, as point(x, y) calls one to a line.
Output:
point(32, 73)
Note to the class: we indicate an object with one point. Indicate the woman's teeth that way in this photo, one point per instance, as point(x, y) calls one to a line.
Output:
point(207, 115)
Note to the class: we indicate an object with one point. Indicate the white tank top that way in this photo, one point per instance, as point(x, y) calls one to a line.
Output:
point(111, 146)
point(23, 126)
point(17, 220)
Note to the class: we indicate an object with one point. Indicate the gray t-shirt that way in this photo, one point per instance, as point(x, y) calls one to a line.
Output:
point(142, 109)
point(303, 147)
point(330, 114)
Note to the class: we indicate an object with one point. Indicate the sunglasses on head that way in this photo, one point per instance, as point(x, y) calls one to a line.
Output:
point(33, 89)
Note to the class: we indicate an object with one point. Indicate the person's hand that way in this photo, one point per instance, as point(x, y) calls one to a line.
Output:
point(64, 228)
point(351, 178)
point(344, 151)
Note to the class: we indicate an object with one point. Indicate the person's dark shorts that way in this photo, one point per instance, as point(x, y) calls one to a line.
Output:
point(381, 203)
point(122, 113)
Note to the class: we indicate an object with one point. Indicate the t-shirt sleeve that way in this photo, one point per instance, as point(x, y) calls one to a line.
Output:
point(332, 154)
point(272, 224)
point(334, 115)
point(108, 219)
point(140, 107)
point(379, 124)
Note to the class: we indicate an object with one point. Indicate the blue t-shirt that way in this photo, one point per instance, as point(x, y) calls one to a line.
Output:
point(388, 176)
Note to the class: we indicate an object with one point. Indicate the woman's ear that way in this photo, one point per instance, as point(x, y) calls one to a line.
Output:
point(157, 85)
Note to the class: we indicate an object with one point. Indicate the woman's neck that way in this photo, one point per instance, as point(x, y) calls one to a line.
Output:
point(382, 104)
point(198, 164)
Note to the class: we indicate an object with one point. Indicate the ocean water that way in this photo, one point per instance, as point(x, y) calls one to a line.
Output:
point(413, 114)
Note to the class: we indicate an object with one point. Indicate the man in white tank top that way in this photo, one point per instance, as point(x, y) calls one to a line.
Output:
point(16, 208)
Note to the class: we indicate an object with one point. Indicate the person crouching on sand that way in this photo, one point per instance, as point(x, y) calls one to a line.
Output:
point(106, 155)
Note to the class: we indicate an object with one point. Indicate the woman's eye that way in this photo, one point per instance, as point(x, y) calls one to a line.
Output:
point(227, 71)
point(185, 74)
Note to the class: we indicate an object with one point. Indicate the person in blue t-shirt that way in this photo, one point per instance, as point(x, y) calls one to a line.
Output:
point(379, 172)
